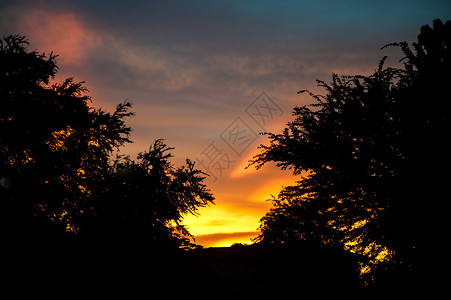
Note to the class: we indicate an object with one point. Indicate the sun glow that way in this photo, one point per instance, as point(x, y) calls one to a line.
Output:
point(231, 241)
point(223, 224)
point(218, 218)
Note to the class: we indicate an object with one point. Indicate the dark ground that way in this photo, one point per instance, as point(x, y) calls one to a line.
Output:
point(273, 271)
point(94, 270)
point(72, 268)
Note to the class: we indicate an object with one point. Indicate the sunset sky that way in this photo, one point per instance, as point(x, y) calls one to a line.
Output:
point(208, 76)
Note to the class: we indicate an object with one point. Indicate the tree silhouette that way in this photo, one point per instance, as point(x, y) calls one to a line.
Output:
point(373, 152)
point(55, 158)
point(54, 146)
point(144, 202)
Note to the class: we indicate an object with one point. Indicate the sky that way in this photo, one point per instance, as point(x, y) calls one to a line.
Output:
point(209, 76)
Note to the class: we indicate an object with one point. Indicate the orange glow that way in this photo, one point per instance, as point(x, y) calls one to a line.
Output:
point(23, 158)
point(59, 139)
point(240, 168)
point(272, 188)
point(236, 218)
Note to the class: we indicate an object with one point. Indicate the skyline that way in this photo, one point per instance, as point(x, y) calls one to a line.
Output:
point(192, 69)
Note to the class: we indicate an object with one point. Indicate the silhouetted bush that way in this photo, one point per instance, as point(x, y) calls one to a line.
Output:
point(374, 150)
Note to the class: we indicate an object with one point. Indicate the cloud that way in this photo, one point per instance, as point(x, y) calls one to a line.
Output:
point(209, 52)
point(225, 239)
point(63, 33)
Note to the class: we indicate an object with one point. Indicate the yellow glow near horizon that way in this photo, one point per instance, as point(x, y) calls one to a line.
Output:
point(230, 242)
point(217, 219)
point(224, 217)
point(226, 239)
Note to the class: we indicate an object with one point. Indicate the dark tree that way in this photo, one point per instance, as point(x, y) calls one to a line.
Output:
point(54, 147)
point(143, 202)
point(373, 152)
point(97, 224)
point(55, 159)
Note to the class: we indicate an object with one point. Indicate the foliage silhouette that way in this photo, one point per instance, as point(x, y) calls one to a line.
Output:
point(54, 146)
point(55, 155)
point(372, 155)
point(144, 202)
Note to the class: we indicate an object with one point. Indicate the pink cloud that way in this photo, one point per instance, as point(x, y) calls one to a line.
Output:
point(61, 32)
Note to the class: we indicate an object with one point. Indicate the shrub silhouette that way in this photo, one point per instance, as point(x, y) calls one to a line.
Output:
point(144, 201)
point(373, 152)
